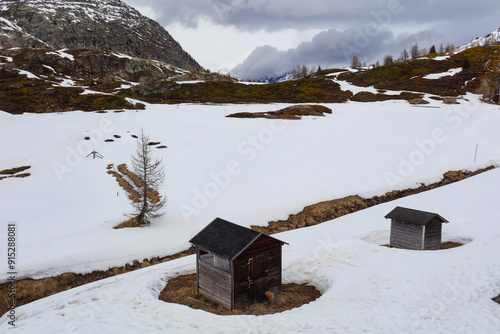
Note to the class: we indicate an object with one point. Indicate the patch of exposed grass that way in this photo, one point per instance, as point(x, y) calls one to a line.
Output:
point(22, 175)
point(309, 90)
point(371, 97)
point(135, 179)
point(450, 244)
point(21, 94)
point(28, 290)
point(418, 101)
point(292, 112)
point(13, 171)
point(123, 176)
point(444, 245)
point(132, 194)
point(182, 290)
point(328, 210)
point(409, 75)
point(132, 222)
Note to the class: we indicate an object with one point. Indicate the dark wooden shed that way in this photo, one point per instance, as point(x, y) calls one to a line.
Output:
point(415, 229)
point(235, 265)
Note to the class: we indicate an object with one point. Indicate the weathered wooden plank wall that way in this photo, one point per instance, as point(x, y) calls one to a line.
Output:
point(433, 235)
point(214, 284)
point(406, 236)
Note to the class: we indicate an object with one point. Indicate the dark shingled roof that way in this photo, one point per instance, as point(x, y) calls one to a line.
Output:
point(412, 216)
point(224, 238)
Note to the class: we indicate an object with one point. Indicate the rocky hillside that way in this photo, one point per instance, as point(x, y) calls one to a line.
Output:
point(490, 39)
point(88, 24)
point(46, 80)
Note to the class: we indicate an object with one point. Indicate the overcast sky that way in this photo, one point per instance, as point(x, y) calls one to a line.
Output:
point(253, 38)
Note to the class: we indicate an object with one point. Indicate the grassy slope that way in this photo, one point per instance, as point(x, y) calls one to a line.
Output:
point(409, 75)
point(297, 91)
point(103, 72)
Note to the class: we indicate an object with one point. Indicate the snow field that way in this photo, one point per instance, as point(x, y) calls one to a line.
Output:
point(365, 287)
point(246, 171)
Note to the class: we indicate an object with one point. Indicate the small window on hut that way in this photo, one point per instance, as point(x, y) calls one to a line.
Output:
point(214, 260)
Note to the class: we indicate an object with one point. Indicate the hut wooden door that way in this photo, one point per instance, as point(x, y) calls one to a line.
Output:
point(258, 279)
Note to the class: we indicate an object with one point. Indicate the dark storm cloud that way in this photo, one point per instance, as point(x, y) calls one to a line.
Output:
point(253, 15)
point(328, 48)
point(367, 28)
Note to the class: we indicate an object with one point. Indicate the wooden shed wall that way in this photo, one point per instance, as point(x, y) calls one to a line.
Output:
point(214, 283)
point(264, 245)
point(433, 235)
point(407, 236)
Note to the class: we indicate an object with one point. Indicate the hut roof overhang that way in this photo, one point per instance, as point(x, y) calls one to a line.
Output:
point(413, 216)
point(226, 239)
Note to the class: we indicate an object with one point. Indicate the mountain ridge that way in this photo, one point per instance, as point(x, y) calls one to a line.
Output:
point(89, 24)
point(491, 38)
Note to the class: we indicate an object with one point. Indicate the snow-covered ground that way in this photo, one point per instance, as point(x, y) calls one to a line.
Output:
point(249, 171)
point(365, 288)
point(448, 73)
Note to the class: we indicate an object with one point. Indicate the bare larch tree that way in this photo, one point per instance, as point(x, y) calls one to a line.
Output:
point(151, 174)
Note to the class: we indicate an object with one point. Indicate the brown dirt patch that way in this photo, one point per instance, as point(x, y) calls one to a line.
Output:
point(497, 299)
point(29, 290)
point(328, 210)
point(182, 290)
point(444, 245)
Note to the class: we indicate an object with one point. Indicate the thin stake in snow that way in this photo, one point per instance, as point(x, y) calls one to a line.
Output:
point(475, 154)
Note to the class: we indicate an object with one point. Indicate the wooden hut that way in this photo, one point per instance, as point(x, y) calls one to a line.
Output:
point(415, 229)
point(235, 265)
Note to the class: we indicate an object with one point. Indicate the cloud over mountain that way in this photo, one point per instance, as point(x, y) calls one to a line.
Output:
point(328, 48)
point(398, 24)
